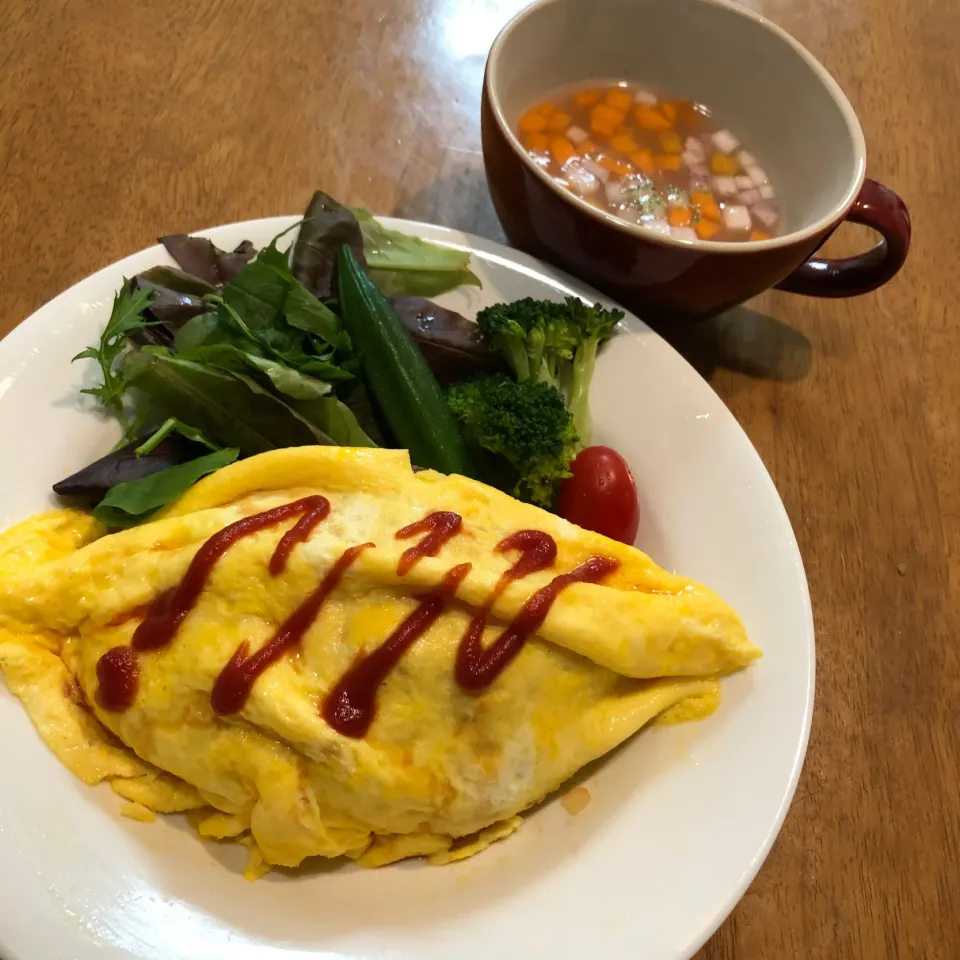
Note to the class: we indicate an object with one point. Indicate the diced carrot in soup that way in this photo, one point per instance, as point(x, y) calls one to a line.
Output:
point(624, 143)
point(532, 122)
point(724, 165)
point(562, 150)
point(707, 229)
point(619, 99)
point(652, 152)
point(643, 160)
point(667, 161)
point(670, 142)
point(706, 206)
point(650, 118)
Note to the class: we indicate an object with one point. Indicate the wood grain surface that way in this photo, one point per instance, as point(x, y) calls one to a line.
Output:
point(121, 120)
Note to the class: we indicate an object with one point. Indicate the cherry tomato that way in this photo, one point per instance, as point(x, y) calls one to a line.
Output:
point(601, 495)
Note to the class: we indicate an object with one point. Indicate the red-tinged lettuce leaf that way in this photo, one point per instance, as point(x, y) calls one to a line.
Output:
point(136, 501)
point(327, 226)
point(169, 309)
point(201, 258)
point(453, 346)
point(90, 485)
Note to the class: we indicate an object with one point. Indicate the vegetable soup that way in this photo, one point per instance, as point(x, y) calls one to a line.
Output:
point(662, 163)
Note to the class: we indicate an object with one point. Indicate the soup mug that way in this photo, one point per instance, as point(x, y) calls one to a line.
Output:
point(760, 83)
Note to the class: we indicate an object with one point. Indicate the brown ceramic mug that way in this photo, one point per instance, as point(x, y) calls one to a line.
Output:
point(771, 92)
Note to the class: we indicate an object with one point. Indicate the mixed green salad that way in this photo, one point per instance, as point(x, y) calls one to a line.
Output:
point(233, 353)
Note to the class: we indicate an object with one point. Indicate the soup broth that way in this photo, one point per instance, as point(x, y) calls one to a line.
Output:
point(661, 163)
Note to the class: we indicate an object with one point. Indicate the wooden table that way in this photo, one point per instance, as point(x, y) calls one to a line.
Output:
point(120, 120)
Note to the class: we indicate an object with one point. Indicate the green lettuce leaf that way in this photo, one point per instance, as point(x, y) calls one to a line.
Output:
point(135, 501)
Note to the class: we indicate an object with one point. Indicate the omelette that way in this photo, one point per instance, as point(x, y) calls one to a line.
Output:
point(319, 652)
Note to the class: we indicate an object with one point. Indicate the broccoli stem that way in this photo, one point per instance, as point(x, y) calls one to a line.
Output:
point(584, 361)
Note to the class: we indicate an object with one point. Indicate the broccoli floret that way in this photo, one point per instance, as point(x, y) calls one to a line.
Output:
point(527, 428)
point(552, 342)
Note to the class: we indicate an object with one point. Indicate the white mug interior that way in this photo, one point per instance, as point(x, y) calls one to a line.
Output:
point(760, 83)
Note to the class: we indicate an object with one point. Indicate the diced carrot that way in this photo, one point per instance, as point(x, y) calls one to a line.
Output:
point(670, 142)
point(624, 143)
point(650, 118)
point(759, 235)
point(603, 111)
point(643, 160)
point(603, 128)
point(706, 229)
point(680, 216)
point(707, 206)
point(667, 161)
point(624, 169)
point(724, 165)
point(537, 141)
point(562, 150)
point(619, 99)
point(669, 110)
point(586, 98)
point(559, 121)
point(546, 108)
point(588, 146)
point(608, 163)
point(533, 122)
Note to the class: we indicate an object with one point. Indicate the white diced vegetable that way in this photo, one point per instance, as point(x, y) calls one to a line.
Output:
point(767, 192)
point(757, 175)
point(765, 214)
point(581, 180)
point(749, 197)
point(602, 174)
point(699, 170)
point(691, 160)
point(736, 217)
point(645, 96)
point(577, 134)
point(746, 159)
point(656, 226)
point(683, 233)
point(725, 186)
point(695, 148)
point(615, 193)
point(725, 141)
point(743, 183)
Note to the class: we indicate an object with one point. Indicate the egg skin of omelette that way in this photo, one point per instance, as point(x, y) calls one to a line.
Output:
point(416, 763)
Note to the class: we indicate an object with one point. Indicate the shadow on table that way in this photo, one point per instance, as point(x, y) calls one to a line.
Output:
point(741, 339)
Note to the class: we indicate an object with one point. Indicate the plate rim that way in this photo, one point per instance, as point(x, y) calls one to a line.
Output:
point(14, 342)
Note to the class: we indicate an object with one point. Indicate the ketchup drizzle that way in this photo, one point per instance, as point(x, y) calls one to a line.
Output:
point(477, 668)
point(439, 527)
point(236, 680)
point(351, 705)
point(118, 674)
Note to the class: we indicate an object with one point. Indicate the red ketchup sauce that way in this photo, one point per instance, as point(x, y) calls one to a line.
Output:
point(351, 705)
point(118, 673)
point(236, 680)
point(439, 528)
point(476, 668)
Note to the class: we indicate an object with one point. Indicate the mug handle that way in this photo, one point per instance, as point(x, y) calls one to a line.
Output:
point(878, 207)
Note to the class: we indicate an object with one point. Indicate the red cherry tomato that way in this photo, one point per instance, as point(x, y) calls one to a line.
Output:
point(601, 495)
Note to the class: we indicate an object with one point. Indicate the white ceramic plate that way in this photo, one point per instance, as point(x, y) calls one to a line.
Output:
point(681, 817)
